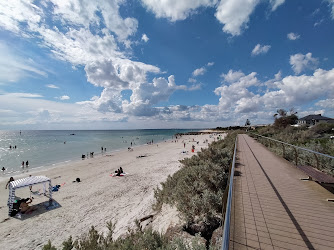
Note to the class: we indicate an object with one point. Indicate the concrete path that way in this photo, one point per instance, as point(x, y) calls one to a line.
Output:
point(272, 208)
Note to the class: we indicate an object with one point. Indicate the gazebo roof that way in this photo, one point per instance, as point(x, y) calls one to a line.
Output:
point(28, 181)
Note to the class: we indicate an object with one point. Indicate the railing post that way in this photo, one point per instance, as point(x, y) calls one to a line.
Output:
point(283, 150)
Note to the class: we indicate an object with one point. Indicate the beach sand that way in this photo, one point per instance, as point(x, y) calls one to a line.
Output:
point(98, 198)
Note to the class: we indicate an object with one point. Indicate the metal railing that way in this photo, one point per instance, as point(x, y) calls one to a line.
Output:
point(227, 202)
point(295, 149)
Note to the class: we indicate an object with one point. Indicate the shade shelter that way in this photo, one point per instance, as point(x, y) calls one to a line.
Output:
point(26, 182)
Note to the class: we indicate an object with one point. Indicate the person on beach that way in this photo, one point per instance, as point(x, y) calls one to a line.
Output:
point(24, 206)
point(22, 164)
point(3, 169)
point(118, 172)
point(10, 180)
point(27, 163)
point(121, 170)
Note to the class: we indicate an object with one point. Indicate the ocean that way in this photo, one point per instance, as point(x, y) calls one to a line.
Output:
point(49, 148)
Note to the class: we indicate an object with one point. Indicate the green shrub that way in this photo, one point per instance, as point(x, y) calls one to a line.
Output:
point(315, 138)
point(49, 246)
point(322, 128)
point(135, 240)
point(196, 190)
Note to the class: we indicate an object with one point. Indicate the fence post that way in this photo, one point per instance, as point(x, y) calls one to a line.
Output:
point(296, 155)
point(283, 151)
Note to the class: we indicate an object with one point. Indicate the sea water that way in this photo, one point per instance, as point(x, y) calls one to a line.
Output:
point(47, 148)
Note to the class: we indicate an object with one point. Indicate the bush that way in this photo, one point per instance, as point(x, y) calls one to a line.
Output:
point(136, 240)
point(314, 138)
point(197, 188)
point(322, 128)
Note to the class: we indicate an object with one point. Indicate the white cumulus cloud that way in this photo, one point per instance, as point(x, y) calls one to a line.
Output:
point(64, 97)
point(260, 49)
point(192, 80)
point(300, 62)
point(145, 38)
point(199, 71)
point(176, 10)
point(293, 36)
point(235, 88)
point(237, 95)
point(234, 14)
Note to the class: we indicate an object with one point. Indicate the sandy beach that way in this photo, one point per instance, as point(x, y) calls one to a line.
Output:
point(98, 198)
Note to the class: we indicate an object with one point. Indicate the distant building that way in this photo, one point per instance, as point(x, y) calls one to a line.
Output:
point(311, 120)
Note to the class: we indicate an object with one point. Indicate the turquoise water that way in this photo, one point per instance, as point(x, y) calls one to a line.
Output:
point(47, 148)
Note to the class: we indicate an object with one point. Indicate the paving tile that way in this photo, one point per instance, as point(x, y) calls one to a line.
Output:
point(253, 244)
point(264, 246)
point(238, 246)
point(253, 237)
point(265, 240)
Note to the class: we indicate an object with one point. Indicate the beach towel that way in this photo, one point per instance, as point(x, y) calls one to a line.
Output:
point(115, 174)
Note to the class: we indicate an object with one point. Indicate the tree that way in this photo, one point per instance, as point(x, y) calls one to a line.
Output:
point(281, 113)
point(284, 120)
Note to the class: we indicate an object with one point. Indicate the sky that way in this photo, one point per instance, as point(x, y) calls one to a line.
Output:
point(82, 64)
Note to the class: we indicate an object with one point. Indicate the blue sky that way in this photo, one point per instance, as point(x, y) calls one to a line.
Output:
point(163, 64)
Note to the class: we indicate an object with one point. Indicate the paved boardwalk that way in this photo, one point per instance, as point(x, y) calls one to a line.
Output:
point(272, 208)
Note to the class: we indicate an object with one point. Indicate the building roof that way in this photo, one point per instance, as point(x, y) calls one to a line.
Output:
point(315, 117)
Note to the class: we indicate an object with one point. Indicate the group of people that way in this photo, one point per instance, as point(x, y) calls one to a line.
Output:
point(119, 171)
point(150, 142)
point(10, 147)
point(27, 164)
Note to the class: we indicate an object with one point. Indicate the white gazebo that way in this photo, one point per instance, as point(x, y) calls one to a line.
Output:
point(26, 182)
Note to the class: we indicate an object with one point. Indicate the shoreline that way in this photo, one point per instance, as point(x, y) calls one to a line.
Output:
point(98, 198)
point(33, 170)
